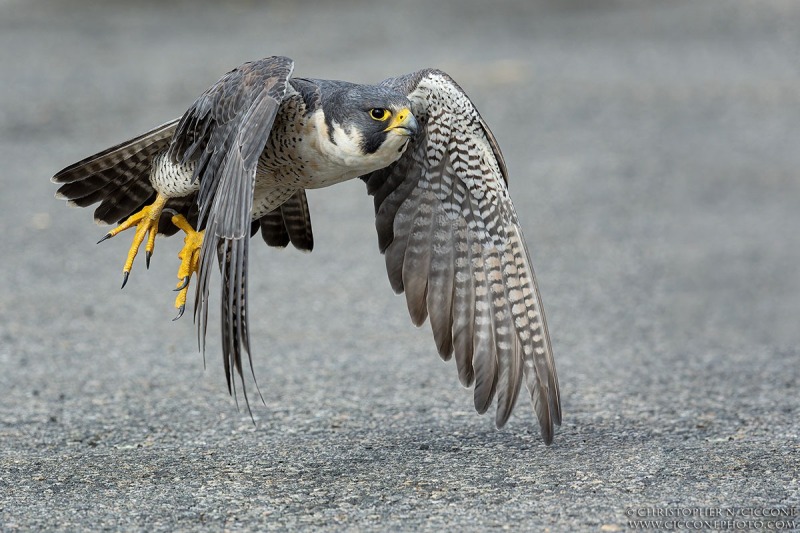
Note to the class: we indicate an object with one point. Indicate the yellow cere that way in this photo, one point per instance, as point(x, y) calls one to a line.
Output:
point(399, 119)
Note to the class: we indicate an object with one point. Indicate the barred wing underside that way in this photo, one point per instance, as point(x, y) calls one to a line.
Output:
point(453, 244)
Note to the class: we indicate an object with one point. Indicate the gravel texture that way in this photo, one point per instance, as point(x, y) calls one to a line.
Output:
point(653, 152)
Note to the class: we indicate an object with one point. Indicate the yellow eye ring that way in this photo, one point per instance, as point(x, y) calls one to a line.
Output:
point(380, 114)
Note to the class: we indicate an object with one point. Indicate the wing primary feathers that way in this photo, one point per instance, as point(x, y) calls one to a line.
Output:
point(484, 357)
point(440, 284)
point(117, 177)
point(224, 132)
point(82, 197)
point(510, 381)
point(232, 255)
point(385, 218)
point(396, 249)
point(449, 191)
point(463, 305)
point(115, 158)
point(510, 358)
point(201, 294)
point(80, 189)
point(538, 368)
point(417, 260)
point(135, 192)
point(230, 351)
point(541, 352)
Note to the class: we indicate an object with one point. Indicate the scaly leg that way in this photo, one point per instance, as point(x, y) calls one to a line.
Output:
point(190, 260)
point(146, 222)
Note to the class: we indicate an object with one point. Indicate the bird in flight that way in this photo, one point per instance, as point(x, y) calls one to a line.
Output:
point(238, 163)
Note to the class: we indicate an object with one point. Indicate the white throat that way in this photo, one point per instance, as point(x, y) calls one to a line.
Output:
point(343, 158)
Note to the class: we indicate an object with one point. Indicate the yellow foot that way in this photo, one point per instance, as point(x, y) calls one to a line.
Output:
point(190, 260)
point(146, 222)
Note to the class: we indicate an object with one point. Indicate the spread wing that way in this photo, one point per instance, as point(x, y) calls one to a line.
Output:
point(119, 178)
point(453, 244)
point(224, 133)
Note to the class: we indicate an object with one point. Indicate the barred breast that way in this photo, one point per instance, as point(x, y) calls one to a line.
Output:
point(171, 179)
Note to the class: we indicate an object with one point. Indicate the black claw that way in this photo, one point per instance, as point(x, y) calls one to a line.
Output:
point(147, 257)
point(181, 309)
point(184, 283)
point(124, 279)
point(107, 236)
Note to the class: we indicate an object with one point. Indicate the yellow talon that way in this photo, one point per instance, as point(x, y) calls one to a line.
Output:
point(190, 260)
point(146, 222)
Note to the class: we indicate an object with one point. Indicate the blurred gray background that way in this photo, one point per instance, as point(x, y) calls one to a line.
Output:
point(653, 152)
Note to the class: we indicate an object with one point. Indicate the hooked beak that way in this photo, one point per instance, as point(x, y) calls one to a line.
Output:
point(404, 123)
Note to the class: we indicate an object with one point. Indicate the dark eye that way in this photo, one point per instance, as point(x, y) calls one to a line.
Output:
point(379, 113)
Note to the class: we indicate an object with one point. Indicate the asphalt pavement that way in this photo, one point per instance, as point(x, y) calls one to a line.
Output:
point(653, 157)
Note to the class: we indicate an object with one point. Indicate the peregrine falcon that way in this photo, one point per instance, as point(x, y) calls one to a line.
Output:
point(239, 162)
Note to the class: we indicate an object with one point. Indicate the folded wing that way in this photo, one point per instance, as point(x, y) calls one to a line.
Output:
point(224, 133)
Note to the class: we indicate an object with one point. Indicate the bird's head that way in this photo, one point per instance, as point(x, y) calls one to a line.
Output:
point(368, 126)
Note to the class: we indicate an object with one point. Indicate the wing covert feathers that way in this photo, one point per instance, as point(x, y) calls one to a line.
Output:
point(453, 244)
